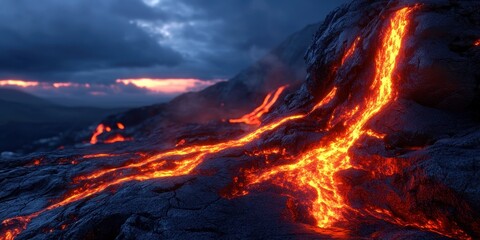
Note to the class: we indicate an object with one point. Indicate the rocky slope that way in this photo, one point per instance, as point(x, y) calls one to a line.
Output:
point(380, 142)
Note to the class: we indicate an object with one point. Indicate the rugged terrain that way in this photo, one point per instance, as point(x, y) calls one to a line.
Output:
point(381, 141)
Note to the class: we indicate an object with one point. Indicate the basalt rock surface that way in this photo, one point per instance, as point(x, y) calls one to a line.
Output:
point(416, 177)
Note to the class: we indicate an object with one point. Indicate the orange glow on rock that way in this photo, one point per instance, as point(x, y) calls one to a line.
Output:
point(253, 118)
point(120, 126)
point(19, 83)
point(477, 43)
point(168, 85)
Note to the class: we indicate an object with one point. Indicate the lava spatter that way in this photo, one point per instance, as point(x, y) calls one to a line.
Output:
point(102, 128)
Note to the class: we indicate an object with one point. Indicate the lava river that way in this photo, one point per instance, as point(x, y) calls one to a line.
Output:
point(313, 171)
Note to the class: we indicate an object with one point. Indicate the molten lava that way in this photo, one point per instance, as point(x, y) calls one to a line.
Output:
point(254, 118)
point(351, 50)
point(316, 169)
point(312, 172)
point(116, 138)
point(101, 128)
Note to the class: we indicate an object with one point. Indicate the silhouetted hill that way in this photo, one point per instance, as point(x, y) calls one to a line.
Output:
point(26, 118)
point(17, 96)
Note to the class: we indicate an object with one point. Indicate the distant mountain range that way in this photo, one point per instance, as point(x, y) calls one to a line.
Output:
point(25, 118)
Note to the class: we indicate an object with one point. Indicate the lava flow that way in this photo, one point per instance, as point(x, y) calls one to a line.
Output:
point(351, 50)
point(101, 128)
point(253, 118)
point(314, 169)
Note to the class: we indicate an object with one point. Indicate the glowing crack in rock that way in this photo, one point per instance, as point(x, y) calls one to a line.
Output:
point(351, 50)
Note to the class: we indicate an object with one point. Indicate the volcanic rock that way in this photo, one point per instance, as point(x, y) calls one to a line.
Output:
point(413, 173)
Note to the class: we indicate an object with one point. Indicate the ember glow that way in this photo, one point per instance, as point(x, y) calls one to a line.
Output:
point(477, 43)
point(176, 85)
point(254, 118)
point(312, 173)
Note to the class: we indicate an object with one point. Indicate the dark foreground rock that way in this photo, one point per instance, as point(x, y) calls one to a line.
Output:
point(414, 175)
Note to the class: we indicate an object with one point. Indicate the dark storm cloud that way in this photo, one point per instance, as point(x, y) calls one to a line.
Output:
point(101, 40)
point(223, 37)
point(82, 35)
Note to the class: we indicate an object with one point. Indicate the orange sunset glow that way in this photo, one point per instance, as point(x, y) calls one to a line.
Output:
point(18, 83)
point(151, 85)
point(167, 85)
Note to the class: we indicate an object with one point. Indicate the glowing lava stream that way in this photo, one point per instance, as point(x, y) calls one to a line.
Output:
point(253, 118)
point(150, 168)
point(315, 168)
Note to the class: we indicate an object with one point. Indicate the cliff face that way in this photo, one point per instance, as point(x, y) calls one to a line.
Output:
point(381, 141)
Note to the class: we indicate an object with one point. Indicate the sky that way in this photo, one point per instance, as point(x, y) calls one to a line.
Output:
point(100, 49)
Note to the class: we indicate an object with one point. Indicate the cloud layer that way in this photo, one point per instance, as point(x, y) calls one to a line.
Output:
point(90, 41)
